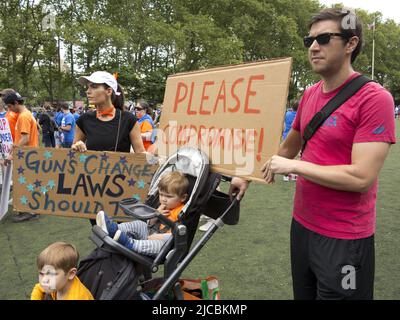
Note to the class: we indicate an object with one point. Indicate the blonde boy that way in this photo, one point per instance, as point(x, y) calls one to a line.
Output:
point(57, 265)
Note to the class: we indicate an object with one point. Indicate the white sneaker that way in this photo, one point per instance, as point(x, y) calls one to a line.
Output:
point(117, 235)
point(101, 222)
point(207, 225)
point(286, 178)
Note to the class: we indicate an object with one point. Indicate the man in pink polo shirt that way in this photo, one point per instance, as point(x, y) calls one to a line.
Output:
point(334, 214)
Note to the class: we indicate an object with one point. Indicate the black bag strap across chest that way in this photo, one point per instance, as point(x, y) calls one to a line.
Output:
point(320, 117)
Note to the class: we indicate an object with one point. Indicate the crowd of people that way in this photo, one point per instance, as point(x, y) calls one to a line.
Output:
point(57, 123)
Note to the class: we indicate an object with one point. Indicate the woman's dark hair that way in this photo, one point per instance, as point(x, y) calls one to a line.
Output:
point(117, 101)
point(145, 105)
point(349, 24)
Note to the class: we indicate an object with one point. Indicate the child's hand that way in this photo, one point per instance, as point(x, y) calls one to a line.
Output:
point(163, 210)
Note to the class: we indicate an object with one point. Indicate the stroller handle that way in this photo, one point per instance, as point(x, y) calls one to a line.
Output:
point(173, 278)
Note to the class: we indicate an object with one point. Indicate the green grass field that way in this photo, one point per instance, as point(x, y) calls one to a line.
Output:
point(251, 259)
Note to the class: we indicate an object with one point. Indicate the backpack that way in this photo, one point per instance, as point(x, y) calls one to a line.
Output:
point(53, 125)
point(109, 275)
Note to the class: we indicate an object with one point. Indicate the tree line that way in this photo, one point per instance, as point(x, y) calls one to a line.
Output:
point(144, 41)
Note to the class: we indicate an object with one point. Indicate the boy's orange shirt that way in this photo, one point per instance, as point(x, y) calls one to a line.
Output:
point(173, 216)
point(26, 124)
point(77, 292)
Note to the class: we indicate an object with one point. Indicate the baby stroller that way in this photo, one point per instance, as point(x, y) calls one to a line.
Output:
point(113, 272)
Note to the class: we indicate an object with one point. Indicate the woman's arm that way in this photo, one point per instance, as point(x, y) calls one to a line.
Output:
point(136, 139)
point(79, 140)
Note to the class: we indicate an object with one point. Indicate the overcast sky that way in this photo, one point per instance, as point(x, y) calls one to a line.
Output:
point(389, 8)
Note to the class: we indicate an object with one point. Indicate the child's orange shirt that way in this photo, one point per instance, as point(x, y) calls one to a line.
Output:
point(173, 216)
point(77, 292)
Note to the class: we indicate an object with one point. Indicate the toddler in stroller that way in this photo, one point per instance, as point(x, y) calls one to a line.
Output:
point(148, 238)
point(112, 271)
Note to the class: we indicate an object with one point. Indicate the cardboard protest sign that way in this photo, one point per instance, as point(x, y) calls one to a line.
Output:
point(6, 143)
point(234, 114)
point(5, 138)
point(67, 183)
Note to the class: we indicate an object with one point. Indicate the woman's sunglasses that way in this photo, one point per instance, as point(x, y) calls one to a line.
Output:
point(137, 109)
point(322, 38)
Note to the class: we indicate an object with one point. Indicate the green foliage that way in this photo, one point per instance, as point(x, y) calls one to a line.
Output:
point(147, 40)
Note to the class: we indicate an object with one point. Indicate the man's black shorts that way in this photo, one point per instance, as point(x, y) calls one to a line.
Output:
point(331, 269)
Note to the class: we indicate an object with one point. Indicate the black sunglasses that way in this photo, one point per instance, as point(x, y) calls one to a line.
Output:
point(322, 38)
point(137, 109)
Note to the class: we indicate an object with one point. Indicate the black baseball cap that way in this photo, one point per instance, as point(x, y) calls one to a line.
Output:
point(12, 97)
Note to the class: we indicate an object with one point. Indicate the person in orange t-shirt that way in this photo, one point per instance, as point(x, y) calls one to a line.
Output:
point(26, 131)
point(149, 238)
point(146, 123)
point(26, 134)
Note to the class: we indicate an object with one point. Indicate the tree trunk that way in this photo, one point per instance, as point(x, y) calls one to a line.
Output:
point(51, 83)
point(14, 80)
point(71, 50)
point(59, 68)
